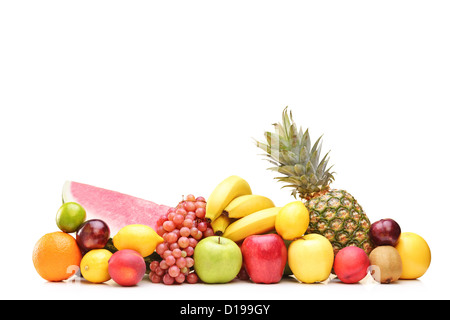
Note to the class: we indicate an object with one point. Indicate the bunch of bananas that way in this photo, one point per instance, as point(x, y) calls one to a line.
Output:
point(235, 213)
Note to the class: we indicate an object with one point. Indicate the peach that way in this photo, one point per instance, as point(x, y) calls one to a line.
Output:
point(350, 264)
point(126, 267)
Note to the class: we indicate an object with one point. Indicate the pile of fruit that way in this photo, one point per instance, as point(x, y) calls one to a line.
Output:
point(235, 234)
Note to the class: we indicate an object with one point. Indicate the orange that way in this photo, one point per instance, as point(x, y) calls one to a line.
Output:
point(56, 256)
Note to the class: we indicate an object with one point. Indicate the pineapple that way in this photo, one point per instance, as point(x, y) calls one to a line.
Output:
point(334, 214)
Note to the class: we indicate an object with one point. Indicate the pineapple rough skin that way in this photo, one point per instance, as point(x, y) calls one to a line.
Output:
point(334, 214)
point(338, 216)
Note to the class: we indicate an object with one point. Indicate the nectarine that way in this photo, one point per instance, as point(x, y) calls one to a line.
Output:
point(350, 264)
point(126, 267)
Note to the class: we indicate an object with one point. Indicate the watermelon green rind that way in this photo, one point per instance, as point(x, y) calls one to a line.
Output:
point(116, 209)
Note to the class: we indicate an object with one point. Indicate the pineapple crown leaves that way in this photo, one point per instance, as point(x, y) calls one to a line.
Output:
point(290, 150)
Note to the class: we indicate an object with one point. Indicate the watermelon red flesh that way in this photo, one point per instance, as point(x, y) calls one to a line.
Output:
point(116, 209)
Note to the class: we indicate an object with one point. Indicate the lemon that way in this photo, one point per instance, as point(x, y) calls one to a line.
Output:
point(137, 237)
point(94, 265)
point(292, 220)
point(415, 254)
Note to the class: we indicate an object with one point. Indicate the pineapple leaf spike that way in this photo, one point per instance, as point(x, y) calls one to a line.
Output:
point(335, 214)
point(290, 150)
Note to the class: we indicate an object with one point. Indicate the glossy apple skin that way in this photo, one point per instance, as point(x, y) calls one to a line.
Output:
point(385, 232)
point(311, 258)
point(265, 257)
point(350, 264)
point(217, 259)
point(126, 267)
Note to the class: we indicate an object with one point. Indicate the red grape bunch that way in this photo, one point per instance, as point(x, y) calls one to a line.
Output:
point(182, 228)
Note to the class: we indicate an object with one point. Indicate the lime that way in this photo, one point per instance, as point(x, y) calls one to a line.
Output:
point(70, 216)
point(94, 265)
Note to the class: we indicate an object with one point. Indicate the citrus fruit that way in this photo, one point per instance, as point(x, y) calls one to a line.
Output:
point(70, 216)
point(94, 265)
point(415, 254)
point(56, 256)
point(138, 237)
point(292, 220)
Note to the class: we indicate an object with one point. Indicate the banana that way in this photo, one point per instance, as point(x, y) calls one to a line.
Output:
point(220, 224)
point(230, 188)
point(255, 223)
point(244, 205)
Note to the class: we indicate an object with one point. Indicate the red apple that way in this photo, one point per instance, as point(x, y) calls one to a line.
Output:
point(265, 257)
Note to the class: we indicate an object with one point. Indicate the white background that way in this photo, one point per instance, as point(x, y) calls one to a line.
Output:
point(160, 99)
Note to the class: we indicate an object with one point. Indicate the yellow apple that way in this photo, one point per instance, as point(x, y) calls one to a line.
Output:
point(415, 254)
point(311, 258)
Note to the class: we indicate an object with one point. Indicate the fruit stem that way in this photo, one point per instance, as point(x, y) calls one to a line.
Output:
point(218, 240)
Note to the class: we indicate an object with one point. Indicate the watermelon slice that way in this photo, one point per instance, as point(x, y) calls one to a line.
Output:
point(116, 209)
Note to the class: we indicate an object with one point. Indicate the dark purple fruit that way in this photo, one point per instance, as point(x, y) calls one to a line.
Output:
point(385, 232)
point(93, 234)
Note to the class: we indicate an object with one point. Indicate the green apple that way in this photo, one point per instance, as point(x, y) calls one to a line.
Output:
point(217, 259)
